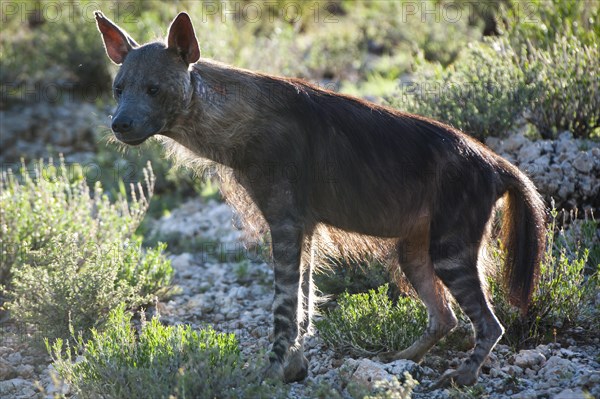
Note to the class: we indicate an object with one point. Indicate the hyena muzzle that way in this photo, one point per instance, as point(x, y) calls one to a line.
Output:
point(406, 179)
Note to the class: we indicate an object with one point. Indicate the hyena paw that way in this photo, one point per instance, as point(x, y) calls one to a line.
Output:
point(296, 370)
point(407, 354)
point(460, 377)
point(273, 372)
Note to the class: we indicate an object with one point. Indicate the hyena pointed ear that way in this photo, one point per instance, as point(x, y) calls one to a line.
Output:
point(116, 41)
point(182, 38)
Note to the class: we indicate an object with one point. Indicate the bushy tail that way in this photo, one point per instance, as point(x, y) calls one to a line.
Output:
point(524, 234)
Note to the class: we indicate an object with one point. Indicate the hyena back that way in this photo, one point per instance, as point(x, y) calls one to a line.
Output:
point(306, 160)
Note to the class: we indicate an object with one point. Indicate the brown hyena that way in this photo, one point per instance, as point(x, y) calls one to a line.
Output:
point(326, 172)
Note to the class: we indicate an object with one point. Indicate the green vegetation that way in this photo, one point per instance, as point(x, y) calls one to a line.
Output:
point(353, 278)
point(369, 323)
point(564, 88)
point(537, 71)
point(69, 254)
point(565, 295)
point(156, 362)
point(482, 94)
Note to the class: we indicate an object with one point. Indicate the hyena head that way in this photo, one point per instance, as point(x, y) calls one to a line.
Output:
point(153, 85)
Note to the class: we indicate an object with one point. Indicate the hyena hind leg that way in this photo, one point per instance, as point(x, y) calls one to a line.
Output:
point(418, 269)
point(459, 273)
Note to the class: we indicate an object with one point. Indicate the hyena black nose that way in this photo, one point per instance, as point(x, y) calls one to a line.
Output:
point(121, 125)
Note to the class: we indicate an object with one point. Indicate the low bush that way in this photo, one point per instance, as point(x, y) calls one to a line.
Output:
point(492, 85)
point(564, 88)
point(482, 94)
point(66, 283)
point(565, 294)
point(369, 323)
point(537, 23)
point(50, 51)
point(69, 254)
point(352, 277)
point(157, 362)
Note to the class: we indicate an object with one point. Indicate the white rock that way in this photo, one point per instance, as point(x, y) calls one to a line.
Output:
point(182, 261)
point(584, 162)
point(497, 373)
point(15, 357)
point(565, 136)
point(565, 146)
point(16, 387)
point(589, 380)
point(526, 394)
point(570, 394)
point(528, 358)
point(7, 371)
point(368, 372)
point(566, 189)
point(557, 368)
point(25, 370)
point(512, 370)
point(542, 163)
point(398, 367)
point(514, 142)
point(529, 152)
point(547, 146)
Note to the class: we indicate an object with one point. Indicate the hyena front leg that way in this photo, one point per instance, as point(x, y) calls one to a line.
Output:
point(296, 368)
point(287, 237)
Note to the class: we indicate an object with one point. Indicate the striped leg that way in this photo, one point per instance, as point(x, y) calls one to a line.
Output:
point(308, 287)
point(455, 264)
point(287, 243)
point(296, 368)
point(418, 269)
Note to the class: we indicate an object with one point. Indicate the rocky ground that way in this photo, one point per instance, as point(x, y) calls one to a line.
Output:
point(236, 297)
point(564, 169)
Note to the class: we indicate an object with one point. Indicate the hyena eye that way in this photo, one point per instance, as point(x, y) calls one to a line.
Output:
point(152, 90)
point(118, 91)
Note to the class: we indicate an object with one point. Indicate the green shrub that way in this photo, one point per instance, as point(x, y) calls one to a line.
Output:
point(352, 277)
point(490, 86)
point(481, 94)
point(564, 296)
point(537, 23)
point(402, 27)
point(58, 48)
point(46, 199)
point(67, 283)
point(564, 88)
point(335, 51)
point(370, 323)
point(158, 362)
point(551, 76)
point(69, 253)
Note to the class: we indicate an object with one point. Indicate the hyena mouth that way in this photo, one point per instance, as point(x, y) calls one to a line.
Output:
point(131, 141)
